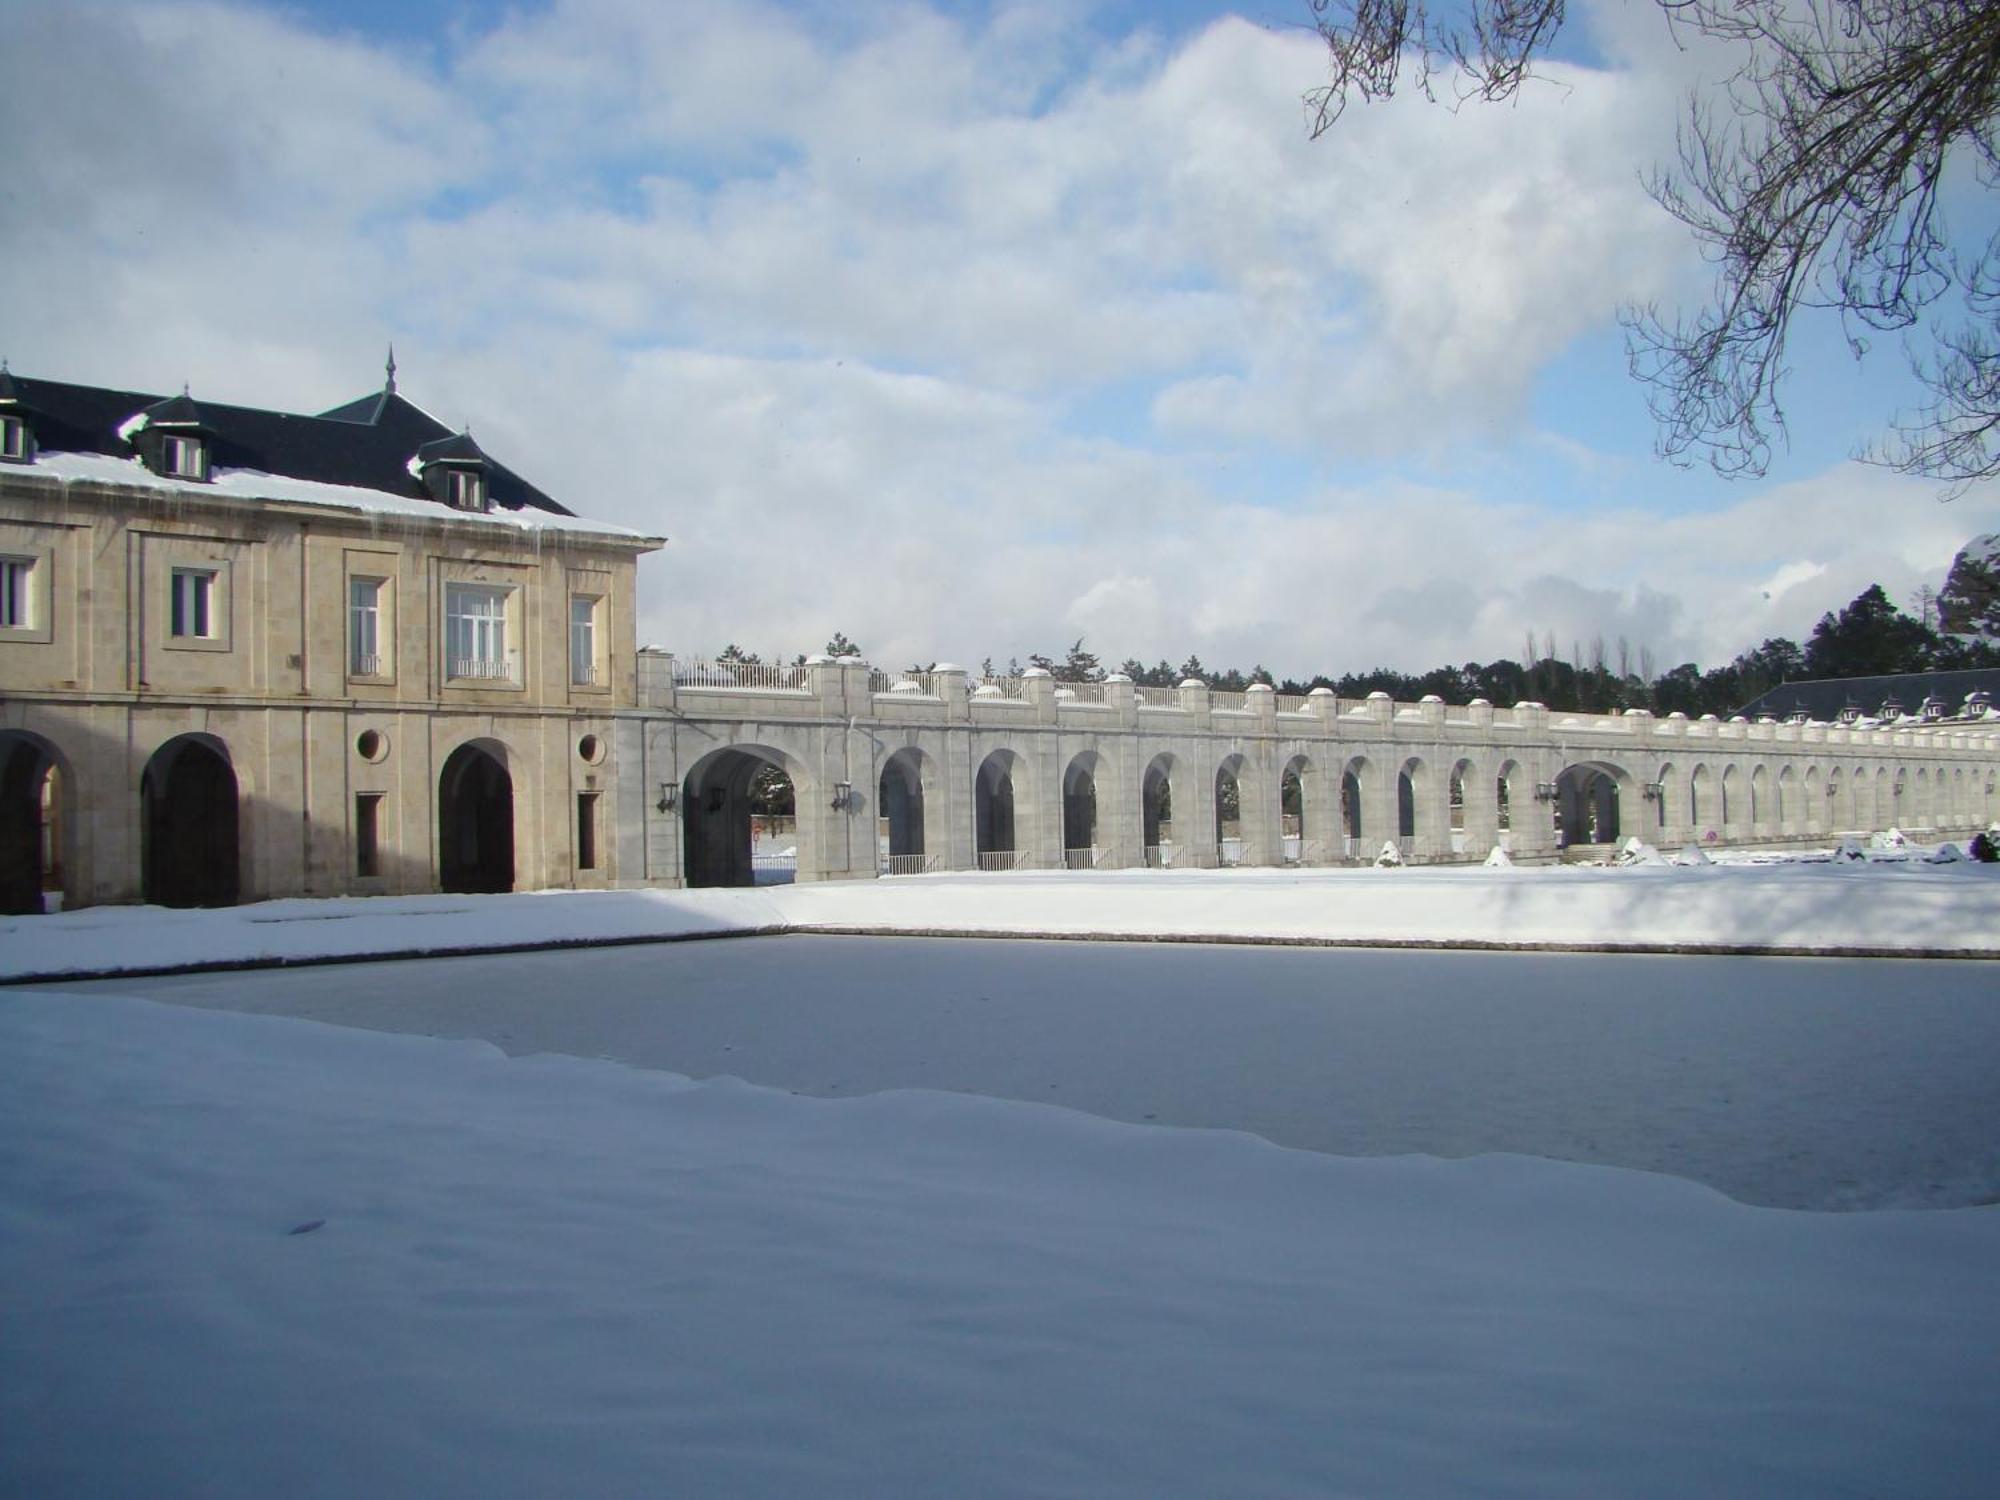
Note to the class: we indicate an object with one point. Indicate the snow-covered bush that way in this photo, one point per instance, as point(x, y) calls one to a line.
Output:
point(1390, 856)
point(1499, 859)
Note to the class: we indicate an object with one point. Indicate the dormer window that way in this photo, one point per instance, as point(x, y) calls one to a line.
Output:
point(183, 457)
point(1933, 708)
point(465, 489)
point(1850, 714)
point(13, 440)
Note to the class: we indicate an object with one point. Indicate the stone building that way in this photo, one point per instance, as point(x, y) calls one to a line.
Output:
point(245, 654)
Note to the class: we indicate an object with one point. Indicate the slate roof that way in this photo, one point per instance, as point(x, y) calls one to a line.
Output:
point(367, 443)
point(1823, 698)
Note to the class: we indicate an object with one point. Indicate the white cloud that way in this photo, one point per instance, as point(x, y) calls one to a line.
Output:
point(839, 301)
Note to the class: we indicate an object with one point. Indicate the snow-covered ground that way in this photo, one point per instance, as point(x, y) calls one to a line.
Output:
point(250, 1256)
point(1899, 905)
point(254, 1255)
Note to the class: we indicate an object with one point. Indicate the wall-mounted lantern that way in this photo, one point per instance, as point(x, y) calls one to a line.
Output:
point(670, 796)
point(1653, 791)
point(843, 796)
point(1545, 791)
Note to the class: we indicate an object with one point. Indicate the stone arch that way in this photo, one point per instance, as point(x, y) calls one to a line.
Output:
point(1353, 818)
point(994, 811)
point(1812, 804)
point(1412, 816)
point(1786, 805)
point(1885, 798)
point(1510, 791)
point(38, 802)
point(901, 798)
point(1079, 810)
point(189, 815)
point(1302, 811)
point(1730, 806)
point(1591, 796)
point(1156, 809)
point(1703, 801)
point(475, 810)
point(717, 805)
point(1231, 795)
point(1459, 812)
point(1760, 796)
point(1661, 798)
point(1839, 809)
point(1919, 799)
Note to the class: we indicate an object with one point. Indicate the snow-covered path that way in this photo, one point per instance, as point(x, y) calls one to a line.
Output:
point(1904, 907)
point(247, 1256)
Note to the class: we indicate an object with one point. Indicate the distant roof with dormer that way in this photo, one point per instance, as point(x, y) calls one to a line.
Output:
point(1823, 698)
point(368, 443)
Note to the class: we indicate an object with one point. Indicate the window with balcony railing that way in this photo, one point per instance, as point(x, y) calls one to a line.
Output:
point(475, 634)
point(364, 627)
point(583, 669)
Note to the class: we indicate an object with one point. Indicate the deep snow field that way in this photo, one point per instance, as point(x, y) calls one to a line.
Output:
point(257, 1255)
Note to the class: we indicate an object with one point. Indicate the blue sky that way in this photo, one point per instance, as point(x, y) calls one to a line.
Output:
point(965, 330)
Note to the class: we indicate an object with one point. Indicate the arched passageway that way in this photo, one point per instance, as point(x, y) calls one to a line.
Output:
point(1156, 812)
point(739, 819)
point(1587, 805)
point(187, 831)
point(1229, 811)
point(1079, 806)
point(1456, 792)
point(1352, 824)
point(1412, 782)
point(901, 799)
point(1301, 834)
point(1505, 785)
point(476, 821)
point(33, 821)
point(993, 811)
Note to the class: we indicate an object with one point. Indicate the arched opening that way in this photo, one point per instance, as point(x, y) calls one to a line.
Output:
point(901, 826)
point(1229, 811)
point(1701, 800)
point(1587, 804)
point(1298, 823)
point(187, 826)
point(1455, 808)
point(1503, 801)
point(1919, 812)
point(1885, 800)
point(476, 821)
point(1731, 800)
point(993, 811)
point(1350, 805)
point(1812, 805)
point(1760, 796)
point(1839, 814)
point(739, 819)
point(33, 825)
point(1409, 788)
point(1080, 813)
point(1788, 799)
point(1156, 812)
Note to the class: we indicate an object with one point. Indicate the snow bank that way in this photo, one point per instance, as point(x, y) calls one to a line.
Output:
point(254, 1257)
point(1894, 905)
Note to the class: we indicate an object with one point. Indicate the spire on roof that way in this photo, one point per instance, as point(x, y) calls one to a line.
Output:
point(389, 385)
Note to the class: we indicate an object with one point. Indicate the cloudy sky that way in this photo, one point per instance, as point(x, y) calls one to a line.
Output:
point(966, 330)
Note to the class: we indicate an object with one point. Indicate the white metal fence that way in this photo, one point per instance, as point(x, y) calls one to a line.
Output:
point(744, 676)
point(903, 684)
point(998, 859)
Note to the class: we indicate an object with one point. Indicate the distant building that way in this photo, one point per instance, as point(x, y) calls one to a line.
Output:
point(1968, 697)
point(246, 653)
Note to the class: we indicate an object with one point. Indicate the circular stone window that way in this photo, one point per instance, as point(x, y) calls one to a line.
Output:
point(371, 744)
point(591, 749)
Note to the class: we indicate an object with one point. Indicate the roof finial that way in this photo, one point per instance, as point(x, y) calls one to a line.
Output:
point(389, 386)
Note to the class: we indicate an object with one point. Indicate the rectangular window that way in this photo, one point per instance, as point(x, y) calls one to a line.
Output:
point(364, 627)
point(368, 833)
point(466, 489)
point(182, 457)
point(193, 603)
point(475, 633)
point(582, 638)
point(16, 597)
point(586, 830)
point(13, 438)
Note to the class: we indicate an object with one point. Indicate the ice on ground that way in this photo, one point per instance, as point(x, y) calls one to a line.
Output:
point(556, 1276)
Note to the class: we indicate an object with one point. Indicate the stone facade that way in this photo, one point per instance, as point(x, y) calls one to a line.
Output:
point(120, 660)
point(1081, 767)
